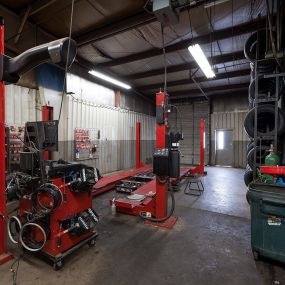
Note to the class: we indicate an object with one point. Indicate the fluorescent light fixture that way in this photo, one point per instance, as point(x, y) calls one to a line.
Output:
point(214, 3)
point(201, 60)
point(109, 79)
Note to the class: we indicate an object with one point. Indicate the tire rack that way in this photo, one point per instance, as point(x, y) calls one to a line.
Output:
point(257, 101)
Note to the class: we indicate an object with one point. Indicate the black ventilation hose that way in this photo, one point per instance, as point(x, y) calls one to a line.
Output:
point(168, 216)
point(265, 121)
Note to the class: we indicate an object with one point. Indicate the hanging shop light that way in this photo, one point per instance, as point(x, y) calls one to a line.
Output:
point(201, 60)
point(109, 79)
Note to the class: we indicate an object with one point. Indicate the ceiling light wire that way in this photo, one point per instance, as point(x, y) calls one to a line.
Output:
point(67, 56)
point(164, 59)
point(218, 44)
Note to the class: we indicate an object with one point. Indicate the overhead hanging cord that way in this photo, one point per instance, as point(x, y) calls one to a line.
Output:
point(67, 56)
point(164, 59)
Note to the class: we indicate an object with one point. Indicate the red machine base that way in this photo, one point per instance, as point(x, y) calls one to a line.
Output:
point(57, 261)
point(5, 257)
point(168, 224)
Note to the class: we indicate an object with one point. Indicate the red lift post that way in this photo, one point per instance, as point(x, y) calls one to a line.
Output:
point(161, 185)
point(4, 255)
point(156, 191)
point(138, 145)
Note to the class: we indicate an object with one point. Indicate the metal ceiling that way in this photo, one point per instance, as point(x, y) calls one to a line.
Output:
point(121, 38)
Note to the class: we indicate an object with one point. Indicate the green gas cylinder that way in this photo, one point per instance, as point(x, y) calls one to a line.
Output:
point(272, 158)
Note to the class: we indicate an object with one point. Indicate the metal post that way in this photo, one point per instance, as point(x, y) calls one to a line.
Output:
point(4, 255)
point(202, 147)
point(138, 145)
point(276, 111)
point(161, 182)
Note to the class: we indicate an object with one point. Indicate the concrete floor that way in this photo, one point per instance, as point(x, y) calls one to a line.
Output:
point(210, 244)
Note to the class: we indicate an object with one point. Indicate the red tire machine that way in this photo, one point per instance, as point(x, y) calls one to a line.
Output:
point(55, 216)
point(153, 205)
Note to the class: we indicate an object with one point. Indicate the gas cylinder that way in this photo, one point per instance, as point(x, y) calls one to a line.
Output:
point(272, 158)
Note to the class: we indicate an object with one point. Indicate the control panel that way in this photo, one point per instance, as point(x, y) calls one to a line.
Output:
point(161, 162)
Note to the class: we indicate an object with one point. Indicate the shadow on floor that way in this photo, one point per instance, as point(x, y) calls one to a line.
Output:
point(210, 244)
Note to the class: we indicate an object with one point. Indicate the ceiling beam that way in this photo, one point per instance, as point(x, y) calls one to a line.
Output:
point(185, 98)
point(141, 19)
point(218, 59)
point(204, 39)
point(113, 29)
point(40, 5)
point(5, 10)
point(199, 79)
point(30, 10)
point(195, 92)
point(22, 24)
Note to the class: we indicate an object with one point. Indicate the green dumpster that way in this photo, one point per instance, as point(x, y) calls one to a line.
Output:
point(267, 207)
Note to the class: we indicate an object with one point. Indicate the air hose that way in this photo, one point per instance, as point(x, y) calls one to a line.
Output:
point(165, 218)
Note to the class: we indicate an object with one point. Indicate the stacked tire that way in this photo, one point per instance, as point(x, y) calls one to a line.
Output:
point(265, 109)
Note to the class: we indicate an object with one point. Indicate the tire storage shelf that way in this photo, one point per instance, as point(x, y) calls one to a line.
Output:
point(265, 121)
point(265, 127)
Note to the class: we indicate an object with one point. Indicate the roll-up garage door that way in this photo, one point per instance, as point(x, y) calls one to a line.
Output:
point(191, 114)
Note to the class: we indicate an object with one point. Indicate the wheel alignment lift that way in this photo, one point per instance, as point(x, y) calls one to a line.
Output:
point(156, 192)
point(109, 182)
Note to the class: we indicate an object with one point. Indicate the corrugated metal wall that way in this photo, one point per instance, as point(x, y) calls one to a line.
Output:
point(116, 149)
point(117, 127)
point(191, 114)
point(21, 105)
point(234, 121)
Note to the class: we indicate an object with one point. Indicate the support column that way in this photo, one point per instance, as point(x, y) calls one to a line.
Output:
point(4, 255)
